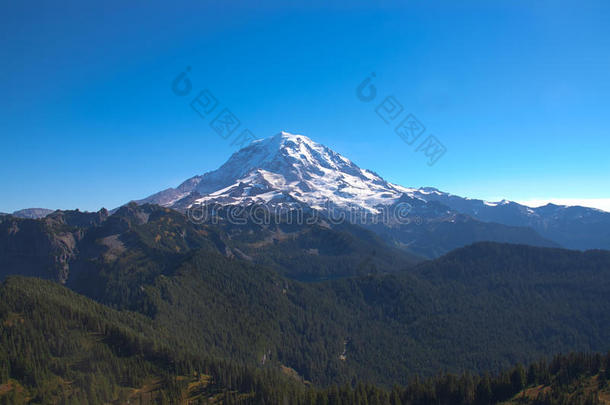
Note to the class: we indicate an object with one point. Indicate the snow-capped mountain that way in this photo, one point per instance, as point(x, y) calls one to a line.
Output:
point(288, 168)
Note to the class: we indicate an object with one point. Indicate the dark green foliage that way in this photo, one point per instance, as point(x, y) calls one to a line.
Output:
point(197, 293)
point(483, 307)
point(60, 348)
point(57, 345)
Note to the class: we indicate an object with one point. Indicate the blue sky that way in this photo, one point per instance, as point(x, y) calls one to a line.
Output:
point(517, 92)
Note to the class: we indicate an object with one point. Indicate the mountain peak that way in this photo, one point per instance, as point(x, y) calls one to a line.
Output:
point(296, 146)
point(286, 167)
point(283, 144)
point(284, 136)
point(282, 139)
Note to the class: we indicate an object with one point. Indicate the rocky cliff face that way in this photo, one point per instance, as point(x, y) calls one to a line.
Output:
point(44, 248)
point(37, 247)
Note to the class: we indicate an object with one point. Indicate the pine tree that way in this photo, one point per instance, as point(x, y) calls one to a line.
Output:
point(484, 392)
point(518, 378)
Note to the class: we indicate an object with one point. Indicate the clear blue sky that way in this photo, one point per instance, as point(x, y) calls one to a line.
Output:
point(517, 91)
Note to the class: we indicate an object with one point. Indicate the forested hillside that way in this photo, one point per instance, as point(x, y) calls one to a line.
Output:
point(61, 348)
point(156, 290)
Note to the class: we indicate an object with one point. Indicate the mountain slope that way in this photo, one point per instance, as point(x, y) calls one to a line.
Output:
point(482, 307)
point(69, 246)
point(57, 347)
